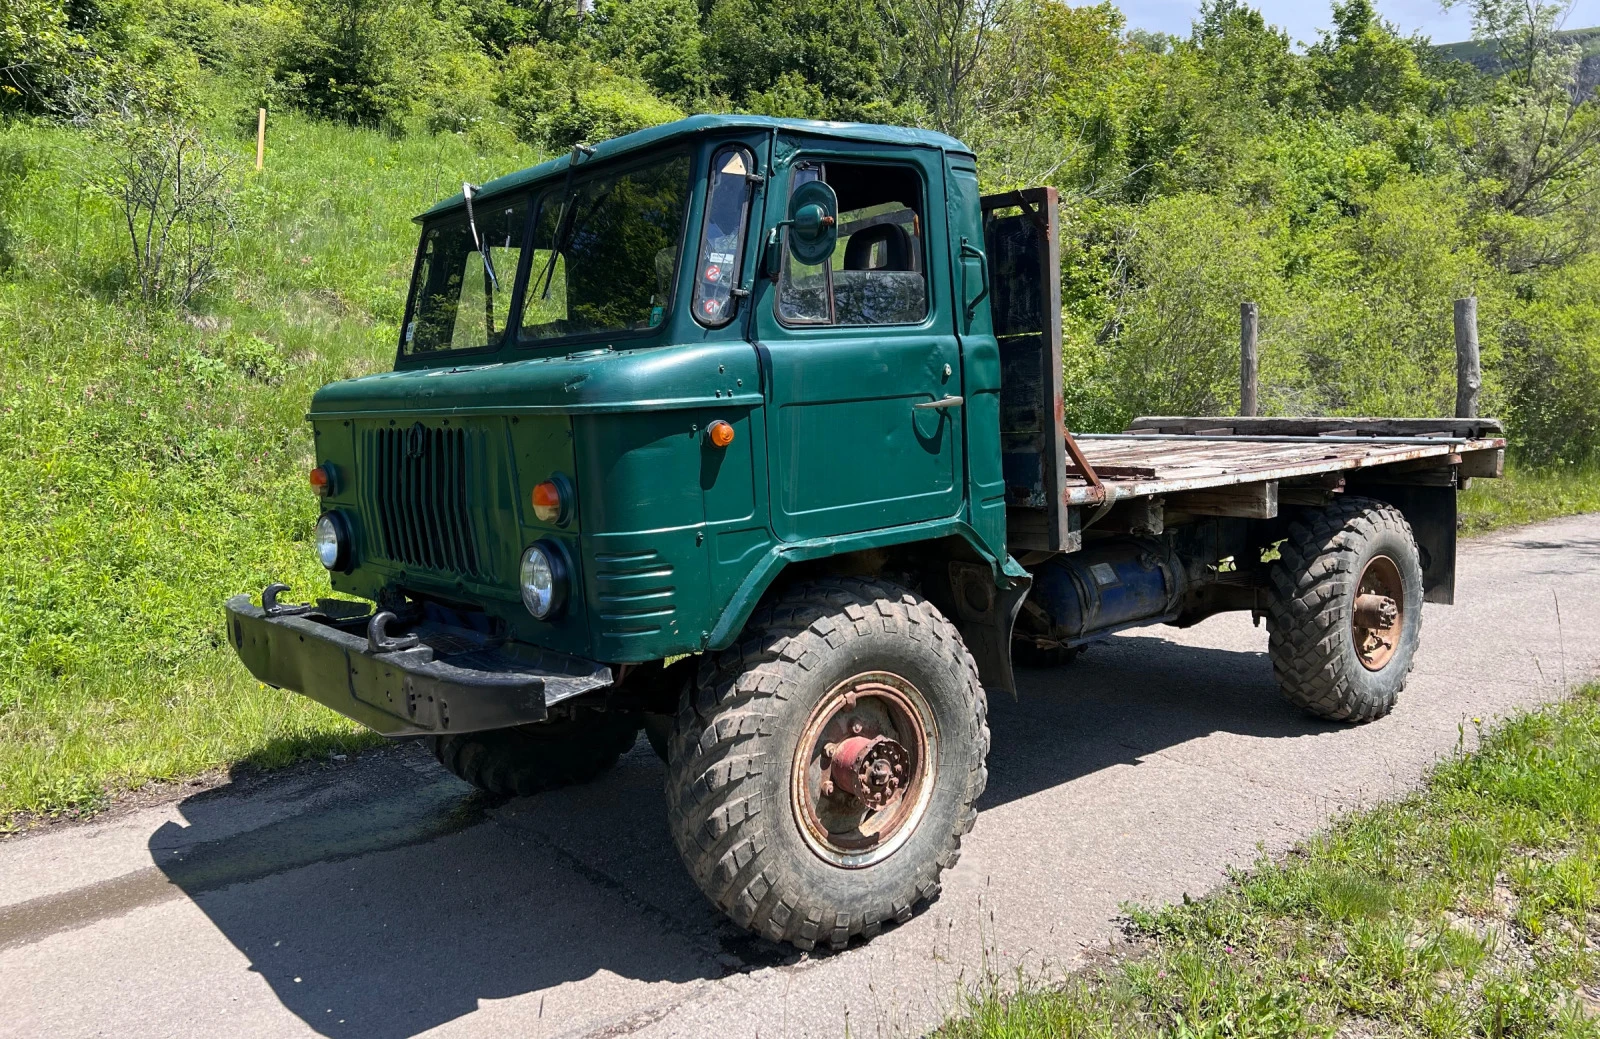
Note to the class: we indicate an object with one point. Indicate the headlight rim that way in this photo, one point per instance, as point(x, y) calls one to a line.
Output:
point(560, 578)
point(341, 540)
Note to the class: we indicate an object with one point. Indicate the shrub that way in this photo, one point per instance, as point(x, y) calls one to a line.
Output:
point(175, 194)
point(559, 97)
point(355, 60)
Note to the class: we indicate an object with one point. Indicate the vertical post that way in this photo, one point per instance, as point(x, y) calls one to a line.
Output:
point(1469, 373)
point(261, 136)
point(1249, 366)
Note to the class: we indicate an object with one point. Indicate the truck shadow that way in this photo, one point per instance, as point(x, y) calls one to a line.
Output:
point(393, 899)
point(1125, 698)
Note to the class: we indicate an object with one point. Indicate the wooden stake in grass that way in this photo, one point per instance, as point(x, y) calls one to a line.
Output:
point(261, 136)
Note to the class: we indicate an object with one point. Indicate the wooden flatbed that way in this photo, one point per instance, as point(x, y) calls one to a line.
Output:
point(1160, 456)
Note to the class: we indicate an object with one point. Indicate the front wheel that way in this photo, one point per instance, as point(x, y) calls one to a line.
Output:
point(1345, 615)
point(824, 770)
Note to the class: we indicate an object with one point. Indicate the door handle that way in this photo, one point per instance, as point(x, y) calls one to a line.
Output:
point(947, 402)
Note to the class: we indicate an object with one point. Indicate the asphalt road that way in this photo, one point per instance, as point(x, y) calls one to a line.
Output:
point(382, 898)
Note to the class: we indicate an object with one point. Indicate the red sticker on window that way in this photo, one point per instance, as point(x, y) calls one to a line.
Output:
point(710, 306)
point(713, 272)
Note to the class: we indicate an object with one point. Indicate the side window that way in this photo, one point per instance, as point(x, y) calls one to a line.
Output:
point(722, 239)
point(878, 272)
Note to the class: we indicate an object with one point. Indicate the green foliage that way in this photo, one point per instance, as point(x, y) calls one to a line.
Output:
point(1465, 910)
point(73, 58)
point(354, 59)
point(659, 40)
point(1362, 63)
point(826, 53)
point(559, 96)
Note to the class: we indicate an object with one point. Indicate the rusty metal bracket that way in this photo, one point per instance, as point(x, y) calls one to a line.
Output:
point(1097, 490)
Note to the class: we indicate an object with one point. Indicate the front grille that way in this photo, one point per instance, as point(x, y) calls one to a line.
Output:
point(417, 479)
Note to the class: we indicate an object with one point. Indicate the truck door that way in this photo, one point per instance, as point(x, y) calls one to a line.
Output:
point(863, 371)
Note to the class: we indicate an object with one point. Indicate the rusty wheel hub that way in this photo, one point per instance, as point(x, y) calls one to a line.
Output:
point(1378, 614)
point(863, 769)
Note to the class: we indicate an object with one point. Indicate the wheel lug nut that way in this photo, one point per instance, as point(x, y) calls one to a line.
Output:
point(827, 788)
point(855, 728)
point(829, 751)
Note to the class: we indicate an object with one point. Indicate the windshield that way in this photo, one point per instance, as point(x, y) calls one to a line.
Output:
point(605, 253)
point(459, 302)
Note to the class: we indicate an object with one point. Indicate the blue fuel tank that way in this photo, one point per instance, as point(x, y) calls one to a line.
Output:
point(1107, 585)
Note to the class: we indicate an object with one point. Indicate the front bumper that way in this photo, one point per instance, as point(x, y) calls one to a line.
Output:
point(452, 680)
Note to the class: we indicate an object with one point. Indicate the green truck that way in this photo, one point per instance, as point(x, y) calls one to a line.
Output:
point(746, 433)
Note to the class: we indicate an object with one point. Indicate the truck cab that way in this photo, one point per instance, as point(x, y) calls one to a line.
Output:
point(628, 329)
point(748, 433)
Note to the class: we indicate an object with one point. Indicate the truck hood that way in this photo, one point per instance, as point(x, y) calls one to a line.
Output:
point(586, 381)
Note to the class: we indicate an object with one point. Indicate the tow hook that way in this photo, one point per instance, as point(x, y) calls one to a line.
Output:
point(378, 640)
point(273, 608)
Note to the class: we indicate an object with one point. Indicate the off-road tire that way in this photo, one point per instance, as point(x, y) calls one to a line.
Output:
point(528, 759)
point(734, 741)
point(1313, 650)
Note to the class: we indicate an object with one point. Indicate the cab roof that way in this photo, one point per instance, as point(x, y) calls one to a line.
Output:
point(683, 129)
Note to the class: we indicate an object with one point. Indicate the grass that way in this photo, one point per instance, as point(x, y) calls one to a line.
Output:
point(1470, 908)
point(153, 463)
point(1528, 496)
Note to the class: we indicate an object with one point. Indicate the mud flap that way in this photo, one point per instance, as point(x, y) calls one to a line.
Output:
point(986, 615)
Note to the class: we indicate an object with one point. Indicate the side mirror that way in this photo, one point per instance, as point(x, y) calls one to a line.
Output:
point(813, 227)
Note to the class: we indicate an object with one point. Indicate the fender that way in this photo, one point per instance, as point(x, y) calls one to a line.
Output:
point(986, 595)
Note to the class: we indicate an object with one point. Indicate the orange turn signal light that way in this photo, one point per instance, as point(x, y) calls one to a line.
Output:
point(719, 433)
point(547, 501)
point(321, 482)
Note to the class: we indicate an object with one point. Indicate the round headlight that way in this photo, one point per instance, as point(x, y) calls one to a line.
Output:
point(333, 541)
point(544, 580)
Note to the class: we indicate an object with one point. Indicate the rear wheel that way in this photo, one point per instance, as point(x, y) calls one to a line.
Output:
point(1345, 616)
point(526, 759)
point(824, 770)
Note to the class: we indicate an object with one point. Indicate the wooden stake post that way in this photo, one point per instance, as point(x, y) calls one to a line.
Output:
point(1469, 371)
point(1249, 361)
point(261, 136)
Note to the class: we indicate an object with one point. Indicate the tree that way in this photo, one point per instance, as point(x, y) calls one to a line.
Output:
point(1364, 64)
point(176, 195)
point(1532, 153)
point(659, 40)
point(844, 51)
point(352, 61)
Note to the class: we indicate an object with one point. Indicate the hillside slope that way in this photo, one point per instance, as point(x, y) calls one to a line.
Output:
point(152, 464)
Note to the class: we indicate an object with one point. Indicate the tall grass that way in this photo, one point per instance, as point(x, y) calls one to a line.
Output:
point(152, 463)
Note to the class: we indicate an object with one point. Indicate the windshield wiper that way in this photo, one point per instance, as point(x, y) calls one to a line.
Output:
point(567, 229)
point(477, 240)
